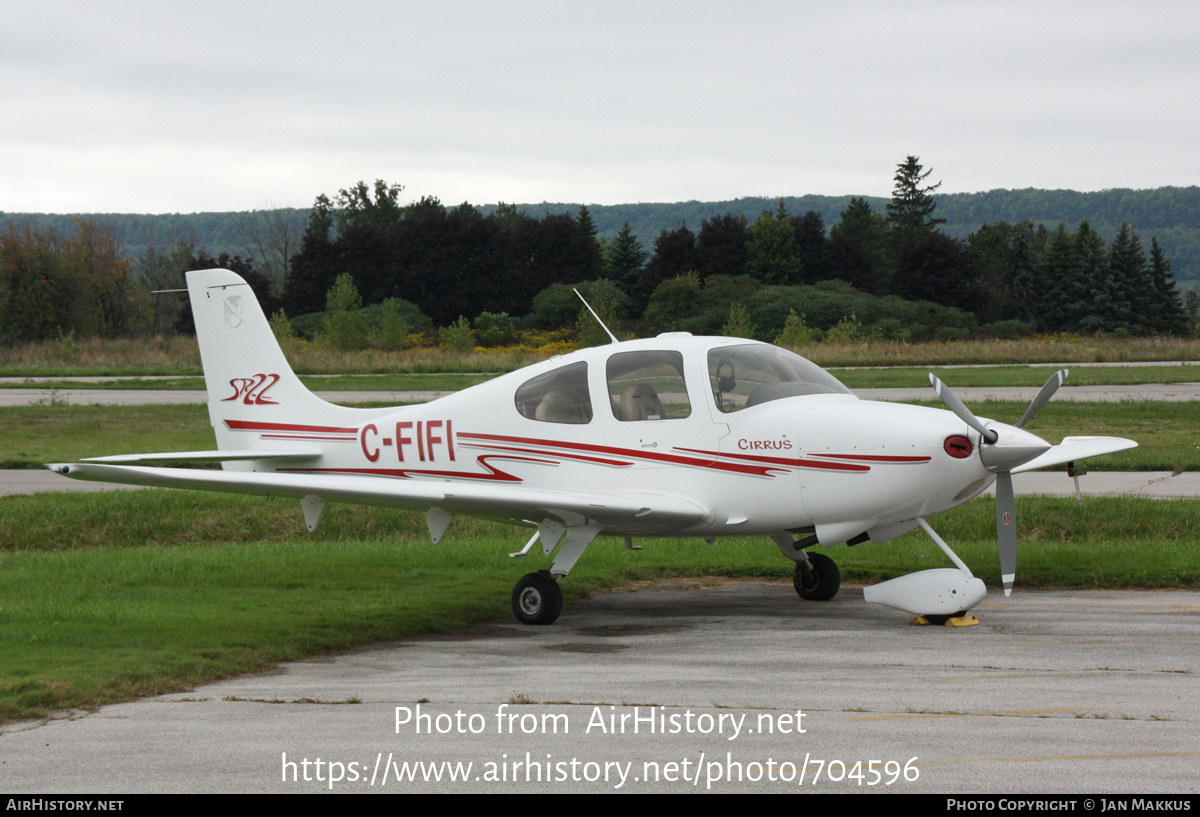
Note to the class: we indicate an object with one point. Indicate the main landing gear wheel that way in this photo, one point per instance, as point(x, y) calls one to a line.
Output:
point(818, 579)
point(537, 598)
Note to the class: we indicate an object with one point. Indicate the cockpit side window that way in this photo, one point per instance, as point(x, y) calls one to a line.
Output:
point(560, 396)
point(745, 376)
point(647, 386)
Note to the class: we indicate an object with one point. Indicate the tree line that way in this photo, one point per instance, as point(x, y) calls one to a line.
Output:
point(894, 269)
point(458, 262)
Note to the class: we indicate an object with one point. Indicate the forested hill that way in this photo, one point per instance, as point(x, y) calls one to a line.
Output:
point(1170, 213)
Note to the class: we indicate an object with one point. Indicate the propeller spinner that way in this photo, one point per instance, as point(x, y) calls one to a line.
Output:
point(1003, 448)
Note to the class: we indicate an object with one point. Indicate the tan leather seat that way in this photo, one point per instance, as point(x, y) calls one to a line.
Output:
point(556, 407)
point(640, 402)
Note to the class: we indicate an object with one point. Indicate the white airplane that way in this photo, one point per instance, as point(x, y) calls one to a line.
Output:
point(664, 437)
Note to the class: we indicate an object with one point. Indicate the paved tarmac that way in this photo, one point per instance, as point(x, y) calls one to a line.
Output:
point(1058, 692)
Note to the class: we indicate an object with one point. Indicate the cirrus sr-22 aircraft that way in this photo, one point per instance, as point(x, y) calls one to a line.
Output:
point(673, 436)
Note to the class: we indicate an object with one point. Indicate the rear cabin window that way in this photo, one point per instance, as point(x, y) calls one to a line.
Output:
point(742, 377)
point(647, 386)
point(560, 396)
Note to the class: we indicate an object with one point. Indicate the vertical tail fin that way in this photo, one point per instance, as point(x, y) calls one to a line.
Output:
point(252, 391)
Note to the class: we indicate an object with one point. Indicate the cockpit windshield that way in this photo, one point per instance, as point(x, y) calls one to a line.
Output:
point(745, 376)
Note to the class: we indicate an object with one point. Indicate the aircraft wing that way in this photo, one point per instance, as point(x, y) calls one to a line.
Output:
point(294, 453)
point(632, 512)
point(1076, 448)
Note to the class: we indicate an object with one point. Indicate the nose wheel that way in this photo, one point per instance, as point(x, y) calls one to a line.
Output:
point(537, 598)
point(817, 579)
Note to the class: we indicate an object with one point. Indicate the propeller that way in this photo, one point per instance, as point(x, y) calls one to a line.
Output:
point(1003, 448)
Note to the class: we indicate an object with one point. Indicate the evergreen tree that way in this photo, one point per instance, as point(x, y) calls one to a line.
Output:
point(857, 248)
point(912, 205)
point(1191, 306)
point(1131, 279)
point(625, 259)
point(773, 253)
point(586, 223)
point(1062, 293)
point(935, 267)
point(1102, 306)
point(1024, 282)
point(1170, 317)
point(812, 246)
point(509, 216)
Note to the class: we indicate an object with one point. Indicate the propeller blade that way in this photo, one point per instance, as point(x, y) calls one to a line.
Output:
point(1006, 529)
point(1043, 396)
point(962, 412)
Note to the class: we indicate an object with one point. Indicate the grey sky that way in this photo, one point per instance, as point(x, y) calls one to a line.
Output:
point(179, 107)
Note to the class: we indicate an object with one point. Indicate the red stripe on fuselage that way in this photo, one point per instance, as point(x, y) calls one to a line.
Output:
point(251, 425)
point(872, 457)
point(793, 463)
point(494, 473)
point(757, 470)
point(580, 457)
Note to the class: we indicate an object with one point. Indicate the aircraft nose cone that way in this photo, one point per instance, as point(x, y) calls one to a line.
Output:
point(1013, 447)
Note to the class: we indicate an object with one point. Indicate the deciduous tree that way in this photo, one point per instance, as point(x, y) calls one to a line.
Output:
point(674, 254)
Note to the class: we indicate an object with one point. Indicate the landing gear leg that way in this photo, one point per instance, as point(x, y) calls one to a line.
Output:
point(537, 598)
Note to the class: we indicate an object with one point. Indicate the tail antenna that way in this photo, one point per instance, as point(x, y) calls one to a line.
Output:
point(597, 317)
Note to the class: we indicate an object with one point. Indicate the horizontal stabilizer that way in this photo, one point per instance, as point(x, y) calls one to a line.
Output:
point(1076, 448)
point(297, 453)
point(637, 512)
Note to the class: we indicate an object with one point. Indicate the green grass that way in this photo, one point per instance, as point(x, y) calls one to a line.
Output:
point(910, 377)
point(1001, 376)
point(178, 355)
point(106, 597)
point(1166, 433)
point(34, 435)
point(194, 383)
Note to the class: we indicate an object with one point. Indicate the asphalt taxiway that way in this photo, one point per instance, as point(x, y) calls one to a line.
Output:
point(721, 686)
